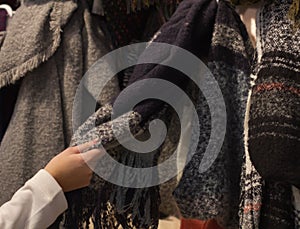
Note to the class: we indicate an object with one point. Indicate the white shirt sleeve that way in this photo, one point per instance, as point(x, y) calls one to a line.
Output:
point(34, 206)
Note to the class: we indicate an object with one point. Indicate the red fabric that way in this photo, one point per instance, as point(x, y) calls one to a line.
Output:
point(197, 224)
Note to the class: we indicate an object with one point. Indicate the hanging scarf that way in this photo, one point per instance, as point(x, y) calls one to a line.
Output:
point(262, 205)
point(214, 194)
point(53, 96)
point(274, 115)
point(110, 205)
point(274, 135)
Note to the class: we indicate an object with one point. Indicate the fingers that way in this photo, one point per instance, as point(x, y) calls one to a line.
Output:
point(92, 157)
point(85, 146)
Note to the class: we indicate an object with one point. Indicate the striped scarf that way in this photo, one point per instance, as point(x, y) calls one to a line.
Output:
point(272, 125)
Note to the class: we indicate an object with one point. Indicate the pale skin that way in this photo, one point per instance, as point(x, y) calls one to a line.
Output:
point(70, 169)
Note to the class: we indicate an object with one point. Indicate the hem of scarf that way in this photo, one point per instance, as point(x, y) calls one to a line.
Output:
point(16, 73)
point(106, 207)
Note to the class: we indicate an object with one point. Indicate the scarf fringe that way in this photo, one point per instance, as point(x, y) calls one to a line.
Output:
point(16, 73)
point(115, 206)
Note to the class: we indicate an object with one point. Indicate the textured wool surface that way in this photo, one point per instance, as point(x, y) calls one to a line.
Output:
point(263, 205)
point(206, 29)
point(274, 134)
point(215, 193)
point(50, 63)
point(48, 59)
point(272, 118)
point(138, 202)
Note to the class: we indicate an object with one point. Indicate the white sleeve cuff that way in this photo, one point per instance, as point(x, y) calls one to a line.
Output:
point(49, 202)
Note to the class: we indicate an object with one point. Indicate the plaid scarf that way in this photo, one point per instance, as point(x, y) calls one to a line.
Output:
point(273, 123)
point(212, 194)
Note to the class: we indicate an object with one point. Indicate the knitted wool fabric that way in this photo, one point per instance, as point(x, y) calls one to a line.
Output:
point(273, 116)
point(115, 205)
point(36, 143)
point(215, 193)
point(41, 124)
point(213, 201)
point(123, 27)
point(223, 179)
point(136, 5)
point(274, 125)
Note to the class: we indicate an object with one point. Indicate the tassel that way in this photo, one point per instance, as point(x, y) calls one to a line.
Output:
point(294, 14)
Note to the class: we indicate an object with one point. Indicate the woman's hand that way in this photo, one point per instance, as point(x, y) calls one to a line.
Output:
point(69, 168)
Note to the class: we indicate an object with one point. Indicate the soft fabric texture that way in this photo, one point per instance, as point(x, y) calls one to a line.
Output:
point(168, 6)
point(40, 61)
point(115, 205)
point(263, 205)
point(215, 193)
point(269, 204)
point(35, 142)
point(126, 19)
point(41, 123)
point(34, 206)
point(274, 122)
point(209, 30)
